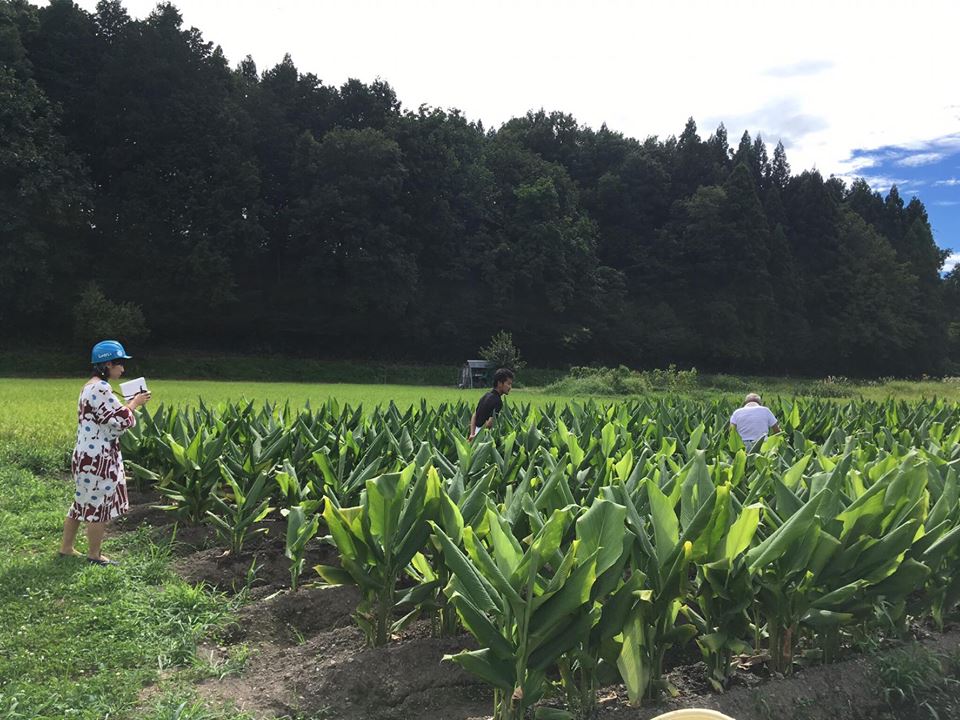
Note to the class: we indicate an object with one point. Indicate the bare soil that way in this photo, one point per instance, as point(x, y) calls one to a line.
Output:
point(307, 659)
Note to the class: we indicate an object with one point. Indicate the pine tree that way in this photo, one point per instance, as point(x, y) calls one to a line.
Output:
point(779, 168)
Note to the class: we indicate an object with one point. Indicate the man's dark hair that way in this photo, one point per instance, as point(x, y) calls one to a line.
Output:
point(502, 375)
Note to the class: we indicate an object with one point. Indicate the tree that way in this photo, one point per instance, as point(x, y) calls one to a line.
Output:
point(42, 194)
point(694, 163)
point(176, 187)
point(779, 168)
point(95, 317)
point(720, 283)
point(232, 203)
point(760, 169)
point(822, 262)
point(502, 353)
point(348, 273)
point(878, 323)
point(951, 295)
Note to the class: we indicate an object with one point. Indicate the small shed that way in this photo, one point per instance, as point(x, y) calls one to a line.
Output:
point(475, 374)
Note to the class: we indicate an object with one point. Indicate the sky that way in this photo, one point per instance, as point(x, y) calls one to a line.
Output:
point(852, 87)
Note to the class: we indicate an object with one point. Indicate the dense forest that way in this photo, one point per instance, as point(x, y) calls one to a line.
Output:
point(147, 183)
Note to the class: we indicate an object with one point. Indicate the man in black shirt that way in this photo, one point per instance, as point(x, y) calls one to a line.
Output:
point(491, 403)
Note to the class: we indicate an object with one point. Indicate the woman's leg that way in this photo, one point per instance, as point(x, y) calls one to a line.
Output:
point(70, 527)
point(95, 532)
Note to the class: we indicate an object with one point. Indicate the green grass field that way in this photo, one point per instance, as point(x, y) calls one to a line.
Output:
point(39, 416)
point(44, 409)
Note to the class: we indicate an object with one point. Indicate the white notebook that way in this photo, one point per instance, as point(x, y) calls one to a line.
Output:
point(132, 387)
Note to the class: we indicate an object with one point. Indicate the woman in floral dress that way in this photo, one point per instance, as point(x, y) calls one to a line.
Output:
point(97, 466)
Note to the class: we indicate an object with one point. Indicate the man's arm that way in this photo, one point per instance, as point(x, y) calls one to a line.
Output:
point(775, 427)
point(473, 426)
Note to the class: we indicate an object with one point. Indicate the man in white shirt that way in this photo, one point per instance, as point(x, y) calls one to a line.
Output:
point(753, 421)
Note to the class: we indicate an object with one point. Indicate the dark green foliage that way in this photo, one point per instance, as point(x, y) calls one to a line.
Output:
point(234, 205)
point(96, 317)
point(503, 353)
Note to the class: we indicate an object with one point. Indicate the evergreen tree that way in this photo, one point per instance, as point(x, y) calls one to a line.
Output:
point(42, 195)
point(231, 203)
point(779, 168)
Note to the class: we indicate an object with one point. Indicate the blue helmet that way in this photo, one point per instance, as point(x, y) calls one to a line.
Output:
point(107, 350)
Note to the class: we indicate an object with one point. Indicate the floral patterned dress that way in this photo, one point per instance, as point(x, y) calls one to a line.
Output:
point(97, 465)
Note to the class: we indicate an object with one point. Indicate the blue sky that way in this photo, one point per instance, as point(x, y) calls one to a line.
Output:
point(851, 88)
point(929, 170)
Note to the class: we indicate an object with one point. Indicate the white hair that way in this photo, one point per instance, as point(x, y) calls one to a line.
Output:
point(751, 397)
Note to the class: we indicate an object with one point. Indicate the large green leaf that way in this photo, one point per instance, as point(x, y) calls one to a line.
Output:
point(488, 667)
point(742, 532)
point(476, 589)
point(666, 527)
point(794, 530)
point(600, 531)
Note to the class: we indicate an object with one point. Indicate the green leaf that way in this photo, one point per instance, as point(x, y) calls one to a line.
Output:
point(486, 666)
point(741, 533)
point(624, 466)
point(506, 550)
point(545, 713)
point(384, 498)
point(600, 530)
point(546, 543)
point(608, 439)
point(792, 477)
point(574, 593)
point(481, 627)
point(632, 664)
point(334, 575)
point(666, 527)
point(783, 538)
point(476, 589)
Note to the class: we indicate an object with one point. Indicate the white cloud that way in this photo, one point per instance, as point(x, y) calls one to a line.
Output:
point(919, 159)
point(947, 203)
point(883, 183)
point(951, 262)
point(805, 67)
point(642, 68)
point(949, 182)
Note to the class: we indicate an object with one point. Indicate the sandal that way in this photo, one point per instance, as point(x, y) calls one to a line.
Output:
point(68, 555)
point(101, 562)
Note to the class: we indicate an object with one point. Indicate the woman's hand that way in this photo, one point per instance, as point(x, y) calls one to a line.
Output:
point(138, 400)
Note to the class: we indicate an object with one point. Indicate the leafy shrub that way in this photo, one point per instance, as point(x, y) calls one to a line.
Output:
point(672, 379)
point(503, 353)
point(96, 317)
point(832, 386)
point(726, 383)
point(623, 381)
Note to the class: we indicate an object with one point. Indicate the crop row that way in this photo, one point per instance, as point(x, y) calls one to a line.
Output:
point(578, 544)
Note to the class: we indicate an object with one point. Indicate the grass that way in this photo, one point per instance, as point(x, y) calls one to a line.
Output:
point(920, 678)
point(622, 382)
point(79, 641)
point(38, 416)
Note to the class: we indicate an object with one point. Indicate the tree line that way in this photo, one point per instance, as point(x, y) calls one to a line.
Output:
point(147, 181)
